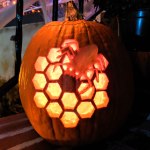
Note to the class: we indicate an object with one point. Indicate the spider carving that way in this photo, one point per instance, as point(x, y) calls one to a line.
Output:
point(82, 60)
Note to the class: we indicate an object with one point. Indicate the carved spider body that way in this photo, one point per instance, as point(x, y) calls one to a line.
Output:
point(82, 60)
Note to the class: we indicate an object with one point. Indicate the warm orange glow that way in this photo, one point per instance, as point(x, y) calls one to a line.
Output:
point(89, 74)
point(101, 99)
point(102, 63)
point(53, 53)
point(39, 81)
point(72, 43)
point(53, 90)
point(87, 94)
point(82, 87)
point(65, 60)
point(53, 74)
point(69, 119)
point(85, 109)
point(40, 99)
point(41, 63)
point(54, 110)
point(69, 100)
point(63, 104)
point(103, 82)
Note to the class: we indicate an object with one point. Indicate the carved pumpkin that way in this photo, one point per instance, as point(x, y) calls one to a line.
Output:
point(75, 82)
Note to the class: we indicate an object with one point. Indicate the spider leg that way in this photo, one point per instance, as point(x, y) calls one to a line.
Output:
point(96, 71)
point(59, 64)
point(89, 85)
point(101, 61)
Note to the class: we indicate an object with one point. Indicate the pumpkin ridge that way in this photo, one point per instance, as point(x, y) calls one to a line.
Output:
point(87, 33)
point(59, 33)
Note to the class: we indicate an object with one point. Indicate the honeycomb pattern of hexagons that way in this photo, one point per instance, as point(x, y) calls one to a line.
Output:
point(68, 106)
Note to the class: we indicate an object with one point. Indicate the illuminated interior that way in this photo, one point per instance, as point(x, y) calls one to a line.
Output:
point(65, 60)
point(69, 100)
point(101, 99)
point(69, 119)
point(52, 55)
point(53, 90)
point(40, 99)
point(39, 81)
point(53, 74)
point(85, 109)
point(89, 74)
point(89, 92)
point(54, 110)
point(102, 83)
point(40, 64)
point(69, 107)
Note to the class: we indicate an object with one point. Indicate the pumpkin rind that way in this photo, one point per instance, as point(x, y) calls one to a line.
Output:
point(104, 122)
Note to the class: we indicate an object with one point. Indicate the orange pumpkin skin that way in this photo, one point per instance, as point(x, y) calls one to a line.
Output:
point(104, 122)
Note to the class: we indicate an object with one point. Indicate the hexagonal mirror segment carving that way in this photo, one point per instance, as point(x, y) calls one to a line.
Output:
point(54, 74)
point(41, 64)
point(101, 99)
point(65, 60)
point(53, 90)
point(39, 81)
point(102, 82)
point(54, 110)
point(85, 109)
point(89, 74)
point(102, 63)
point(69, 119)
point(53, 55)
point(40, 99)
point(88, 93)
point(69, 100)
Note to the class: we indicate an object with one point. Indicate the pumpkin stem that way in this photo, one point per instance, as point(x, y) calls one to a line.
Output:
point(72, 12)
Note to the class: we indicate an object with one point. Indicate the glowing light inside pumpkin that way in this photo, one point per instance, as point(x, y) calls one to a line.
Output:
point(85, 109)
point(102, 83)
point(53, 53)
point(101, 99)
point(65, 60)
point(69, 119)
point(71, 43)
point(40, 99)
point(103, 63)
point(53, 90)
point(40, 64)
point(89, 92)
point(54, 110)
point(69, 107)
point(39, 81)
point(89, 74)
point(69, 100)
point(53, 74)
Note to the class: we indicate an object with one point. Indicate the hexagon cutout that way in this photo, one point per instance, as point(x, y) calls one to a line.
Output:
point(102, 83)
point(53, 74)
point(54, 110)
point(65, 60)
point(101, 99)
point(102, 63)
point(53, 90)
point(85, 109)
point(53, 55)
point(69, 119)
point(40, 99)
point(41, 64)
point(89, 74)
point(39, 81)
point(69, 100)
point(88, 94)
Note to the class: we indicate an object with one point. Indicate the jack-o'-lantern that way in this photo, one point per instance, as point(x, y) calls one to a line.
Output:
point(75, 82)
